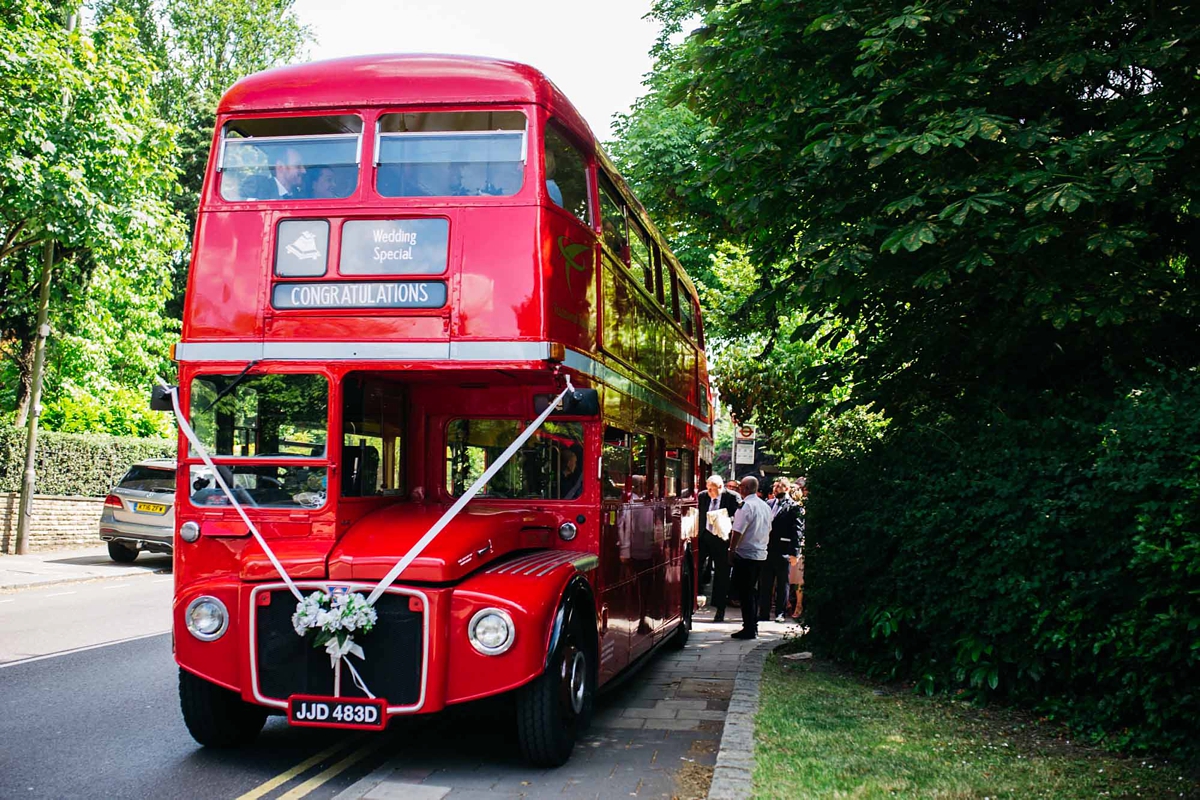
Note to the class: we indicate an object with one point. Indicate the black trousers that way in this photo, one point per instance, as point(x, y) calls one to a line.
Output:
point(773, 580)
point(745, 583)
point(716, 550)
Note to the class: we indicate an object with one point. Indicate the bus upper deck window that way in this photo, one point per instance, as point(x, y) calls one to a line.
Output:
point(566, 175)
point(451, 154)
point(290, 158)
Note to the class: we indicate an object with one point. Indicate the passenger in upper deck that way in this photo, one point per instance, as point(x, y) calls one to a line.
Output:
point(286, 181)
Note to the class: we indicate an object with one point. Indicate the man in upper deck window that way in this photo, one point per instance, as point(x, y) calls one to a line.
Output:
point(748, 551)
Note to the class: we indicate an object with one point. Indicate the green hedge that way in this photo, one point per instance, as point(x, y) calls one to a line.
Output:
point(1053, 562)
point(75, 463)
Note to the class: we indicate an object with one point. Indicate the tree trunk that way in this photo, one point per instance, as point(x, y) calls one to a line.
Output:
point(25, 382)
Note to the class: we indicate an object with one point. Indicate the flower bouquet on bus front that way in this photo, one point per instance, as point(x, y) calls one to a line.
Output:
point(335, 618)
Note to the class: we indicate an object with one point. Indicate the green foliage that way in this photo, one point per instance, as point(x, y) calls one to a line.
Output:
point(119, 411)
point(75, 464)
point(985, 194)
point(85, 162)
point(1054, 562)
point(968, 227)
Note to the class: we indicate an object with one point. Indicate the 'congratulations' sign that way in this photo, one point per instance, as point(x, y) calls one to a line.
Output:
point(376, 294)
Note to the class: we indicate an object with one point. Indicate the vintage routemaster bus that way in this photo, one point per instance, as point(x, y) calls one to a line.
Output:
point(399, 263)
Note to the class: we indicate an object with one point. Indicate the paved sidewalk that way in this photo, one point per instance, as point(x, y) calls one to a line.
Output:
point(69, 566)
point(656, 736)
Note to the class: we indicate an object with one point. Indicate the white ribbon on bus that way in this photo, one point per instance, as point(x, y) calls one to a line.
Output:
point(339, 652)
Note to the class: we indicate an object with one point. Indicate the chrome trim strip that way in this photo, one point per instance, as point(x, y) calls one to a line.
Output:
point(376, 351)
point(516, 565)
point(430, 351)
point(546, 570)
point(324, 585)
point(586, 564)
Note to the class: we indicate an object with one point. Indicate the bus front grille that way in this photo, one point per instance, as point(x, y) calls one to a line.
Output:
point(288, 664)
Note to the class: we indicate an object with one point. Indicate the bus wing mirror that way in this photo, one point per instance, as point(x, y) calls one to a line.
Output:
point(579, 403)
point(582, 403)
point(160, 398)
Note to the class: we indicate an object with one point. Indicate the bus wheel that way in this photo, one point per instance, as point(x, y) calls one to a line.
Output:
point(215, 716)
point(687, 602)
point(554, 708)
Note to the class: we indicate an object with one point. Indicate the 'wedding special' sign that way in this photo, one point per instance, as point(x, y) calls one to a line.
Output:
point(373, 294)
point(395, 247)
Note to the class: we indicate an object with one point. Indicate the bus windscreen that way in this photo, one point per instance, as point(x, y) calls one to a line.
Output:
point(290, 158)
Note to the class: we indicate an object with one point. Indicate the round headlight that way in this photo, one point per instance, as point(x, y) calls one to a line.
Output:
point(189, 531)
point(491, 631)
point(206, 618)
point(567, 531)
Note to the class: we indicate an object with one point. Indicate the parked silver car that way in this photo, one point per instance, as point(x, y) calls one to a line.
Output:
point(139, 513)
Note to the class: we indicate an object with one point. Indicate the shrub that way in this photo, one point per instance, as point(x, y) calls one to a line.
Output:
point(75, 464)
point(1051, 561)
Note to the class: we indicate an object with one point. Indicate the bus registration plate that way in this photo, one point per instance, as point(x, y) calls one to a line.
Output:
point(337, 712)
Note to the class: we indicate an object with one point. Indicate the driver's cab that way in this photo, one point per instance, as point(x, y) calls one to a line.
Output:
point(398, 436)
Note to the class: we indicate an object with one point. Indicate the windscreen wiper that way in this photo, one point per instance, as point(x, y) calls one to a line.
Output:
point(232, 385)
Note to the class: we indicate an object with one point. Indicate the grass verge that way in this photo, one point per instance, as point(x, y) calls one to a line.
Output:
point(822, 733)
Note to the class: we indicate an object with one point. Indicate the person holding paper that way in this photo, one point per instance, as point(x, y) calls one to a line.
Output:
point(717, 508)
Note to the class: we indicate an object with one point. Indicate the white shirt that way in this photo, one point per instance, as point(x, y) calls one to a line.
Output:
point(753, 521)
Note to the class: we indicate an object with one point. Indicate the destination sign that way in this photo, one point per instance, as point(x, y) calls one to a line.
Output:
point(375, 294)
point(395, 247)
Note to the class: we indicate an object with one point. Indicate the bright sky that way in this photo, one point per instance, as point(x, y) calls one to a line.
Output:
point(595, 52)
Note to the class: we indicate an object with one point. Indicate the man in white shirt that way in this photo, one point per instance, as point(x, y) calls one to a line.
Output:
point(748, 551)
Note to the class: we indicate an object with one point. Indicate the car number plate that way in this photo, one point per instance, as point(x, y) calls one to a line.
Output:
point(150, 508)
point(337, 712)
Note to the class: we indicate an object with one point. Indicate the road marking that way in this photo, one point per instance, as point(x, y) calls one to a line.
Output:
point(81, 649)
point(118, 586)
point(321, 778)
point(299, 769)
point(7, 601)
point(162, 580)
point(59, 594)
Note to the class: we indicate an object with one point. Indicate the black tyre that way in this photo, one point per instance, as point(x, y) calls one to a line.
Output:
point(679, 639)
point(215, 716)
point(555, 708)
point(122, 553)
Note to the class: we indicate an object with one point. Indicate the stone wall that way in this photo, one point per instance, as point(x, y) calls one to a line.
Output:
point(57, 522)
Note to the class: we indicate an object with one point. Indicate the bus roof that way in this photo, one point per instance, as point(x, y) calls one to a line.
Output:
point(397, 79)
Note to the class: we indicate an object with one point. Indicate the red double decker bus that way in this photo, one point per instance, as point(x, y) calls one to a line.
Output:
point(399, 264)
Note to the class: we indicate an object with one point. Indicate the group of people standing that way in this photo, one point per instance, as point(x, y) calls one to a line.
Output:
point(753, 547)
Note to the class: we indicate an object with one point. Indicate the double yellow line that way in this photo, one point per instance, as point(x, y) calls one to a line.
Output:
point(373, 744)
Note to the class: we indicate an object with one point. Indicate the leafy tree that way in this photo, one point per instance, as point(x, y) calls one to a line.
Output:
point(199, 49)
point(991, 195)
point(86, 163)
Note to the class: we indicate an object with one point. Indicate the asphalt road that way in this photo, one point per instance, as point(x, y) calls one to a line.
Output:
point(81, 718)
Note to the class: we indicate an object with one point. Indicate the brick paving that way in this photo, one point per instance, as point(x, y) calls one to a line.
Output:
point(656, 736)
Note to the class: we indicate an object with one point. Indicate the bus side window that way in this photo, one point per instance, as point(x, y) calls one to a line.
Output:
point(642, 478)
point(639, 255)
point(566, 175)
point(672, 472)
point(612, 221)
point(615, 478)
point(688, 314)
point(687, 474)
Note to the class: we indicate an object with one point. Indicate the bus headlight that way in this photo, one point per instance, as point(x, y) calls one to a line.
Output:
point(491, 631)
point(567, 531)
point(206, 618)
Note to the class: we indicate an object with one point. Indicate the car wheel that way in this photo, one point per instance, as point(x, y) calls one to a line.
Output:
point(687, 603)
point(215, 716)
point(556, 707)
point(122, 553)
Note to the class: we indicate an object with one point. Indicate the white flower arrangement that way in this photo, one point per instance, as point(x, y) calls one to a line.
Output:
point(335, 618)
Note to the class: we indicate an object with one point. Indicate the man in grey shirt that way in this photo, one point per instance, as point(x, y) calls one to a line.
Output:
point(748, 551)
